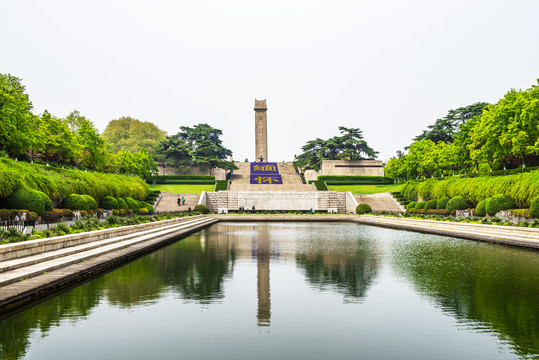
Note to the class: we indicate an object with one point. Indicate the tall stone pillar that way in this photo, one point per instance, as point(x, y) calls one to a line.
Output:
point(261, 131)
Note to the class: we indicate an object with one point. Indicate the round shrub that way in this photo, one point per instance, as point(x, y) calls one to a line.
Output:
point(481, 208)
point(442, 203)
point(122, 204)
point(75, 202)
point(431, 204)
point(411, 206)
point(46, 200)
point(26, 199)
point(92, 204)
point(456, 203)
point(144, 211)
point(132, 204)
point(420, 205)
point(201, 208)
point(363, 208)
point(498, 203)
point(148, 206)
point(534, 207)
point(109, 203)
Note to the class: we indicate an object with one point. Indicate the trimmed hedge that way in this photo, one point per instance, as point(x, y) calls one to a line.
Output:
point(109, 203)
point(481, 208)
point(46, 200)
point(534, 207)
point(179, 177)
point(132, 204)
point(75, 202)
point(92, 204)
point(420, 205)
point(354, 178)
point(147, 206)
point(456, 203)
point(411, 206)
point(431, 204)
point(522, 188)
point(363, 209)
point(201, 208)
point(58, 183)
point(498, 203)
point(442, 203)
point(122, 204)
point(26, 199)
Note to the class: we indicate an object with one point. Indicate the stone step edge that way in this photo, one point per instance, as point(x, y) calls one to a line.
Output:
point(37, 258)
point(9, 251)
point(6, 279)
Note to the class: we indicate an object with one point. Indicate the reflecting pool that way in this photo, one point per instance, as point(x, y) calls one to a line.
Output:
point(295, 291)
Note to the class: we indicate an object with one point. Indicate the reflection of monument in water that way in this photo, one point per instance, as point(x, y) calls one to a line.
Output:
point(262, 247)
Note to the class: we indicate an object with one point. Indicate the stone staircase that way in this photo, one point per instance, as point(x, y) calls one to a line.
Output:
point(291, 182)
point(169, 202)
point(380, 202)
point(35, 258)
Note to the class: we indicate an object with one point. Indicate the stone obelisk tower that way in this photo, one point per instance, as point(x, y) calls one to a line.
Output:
point(261, 131)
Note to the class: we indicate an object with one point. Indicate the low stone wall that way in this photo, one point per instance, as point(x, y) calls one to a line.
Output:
point(330, 201)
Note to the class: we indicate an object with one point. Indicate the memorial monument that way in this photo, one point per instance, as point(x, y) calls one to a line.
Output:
point(261, 131)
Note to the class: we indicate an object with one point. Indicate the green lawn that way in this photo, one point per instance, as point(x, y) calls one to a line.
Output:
point(182, 189)
point(366, 189)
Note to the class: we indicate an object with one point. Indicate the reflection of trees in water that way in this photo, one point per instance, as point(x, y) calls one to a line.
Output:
point(480, 285)
point(349, 271)
point(75, 305)
point(187, 267)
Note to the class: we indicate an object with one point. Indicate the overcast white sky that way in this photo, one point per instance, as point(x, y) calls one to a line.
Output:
point(388, 67)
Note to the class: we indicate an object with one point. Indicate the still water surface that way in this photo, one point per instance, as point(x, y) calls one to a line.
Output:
point(295, 291)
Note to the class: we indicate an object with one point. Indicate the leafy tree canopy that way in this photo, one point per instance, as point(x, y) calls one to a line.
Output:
point(130, 134)
point(199, 145)
point(348, 146)
point(445, 128)
point(16, 119)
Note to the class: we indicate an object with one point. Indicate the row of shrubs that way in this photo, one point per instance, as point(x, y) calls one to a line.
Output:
point(38, 202)
point(57, 183)
point(522, 188)
point(375, 179)
point(181, 179)
point(469, 174)
point(490, 206)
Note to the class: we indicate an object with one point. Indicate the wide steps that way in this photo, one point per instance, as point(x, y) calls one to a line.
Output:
point(169, 202)
point(14, 270)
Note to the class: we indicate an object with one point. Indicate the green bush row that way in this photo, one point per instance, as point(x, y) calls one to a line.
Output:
point(354, 178)
point(58, 183)
point(158, 178)
point(522, 188)
point(187, 182)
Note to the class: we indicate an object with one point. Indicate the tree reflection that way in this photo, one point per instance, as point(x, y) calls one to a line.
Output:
point(193, 268)
point(481, 285)
point(349, 270)
point(72, 306)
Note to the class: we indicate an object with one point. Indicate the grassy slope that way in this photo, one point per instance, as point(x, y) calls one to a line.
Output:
point(182, 189)
point(366, 189)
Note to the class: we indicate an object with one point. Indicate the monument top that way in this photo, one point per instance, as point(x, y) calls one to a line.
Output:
point(261, 105)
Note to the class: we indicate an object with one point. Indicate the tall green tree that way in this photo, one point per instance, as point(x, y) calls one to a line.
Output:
point(89, 146)
point(127, 133)
point(55, 141)
point(350, 145)
point(444, 129)
point(139, 163)
point(199, 145)
point(17, 123)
